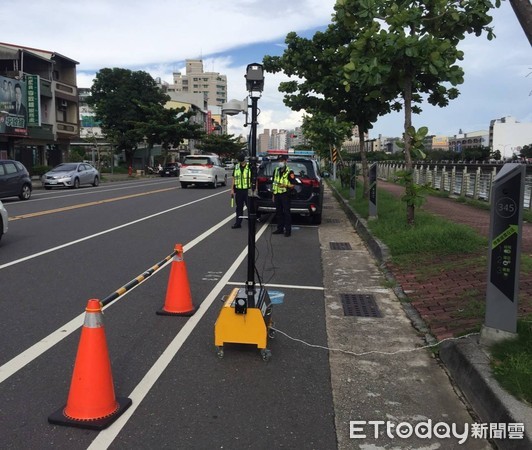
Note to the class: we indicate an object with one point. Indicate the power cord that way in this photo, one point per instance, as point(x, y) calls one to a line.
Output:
point(376, 352)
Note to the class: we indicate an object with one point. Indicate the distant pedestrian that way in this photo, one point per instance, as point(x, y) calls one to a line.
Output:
point(241, 185)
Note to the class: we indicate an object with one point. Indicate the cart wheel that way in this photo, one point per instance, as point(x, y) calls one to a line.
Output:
point(220, 352)
point(271, 333)
point(265, 354)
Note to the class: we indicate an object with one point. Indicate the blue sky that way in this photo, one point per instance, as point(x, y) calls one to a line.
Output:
point(229, 35)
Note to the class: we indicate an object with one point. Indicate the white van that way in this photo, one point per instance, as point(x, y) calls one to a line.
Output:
point(202, 169)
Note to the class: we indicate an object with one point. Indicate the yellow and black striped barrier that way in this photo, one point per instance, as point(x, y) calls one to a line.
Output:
point(137, 280)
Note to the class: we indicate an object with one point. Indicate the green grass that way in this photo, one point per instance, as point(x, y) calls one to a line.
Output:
point(430, 235)
point(512, 362)
point(436, 245)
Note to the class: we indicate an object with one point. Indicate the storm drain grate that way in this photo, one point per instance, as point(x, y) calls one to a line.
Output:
point(340, 246)
point(332, 220)
point(360, 305)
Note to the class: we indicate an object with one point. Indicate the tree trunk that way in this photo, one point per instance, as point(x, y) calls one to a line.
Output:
point(407, 95)
point(523, 11)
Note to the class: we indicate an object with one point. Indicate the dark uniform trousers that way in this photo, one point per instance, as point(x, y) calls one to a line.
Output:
point(241, 199)
point(282, 208)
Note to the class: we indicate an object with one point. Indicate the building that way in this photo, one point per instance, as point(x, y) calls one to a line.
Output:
point(195, 80)
point(40, 132)
point(435, 142)
point(509, 136)
point(473, 139)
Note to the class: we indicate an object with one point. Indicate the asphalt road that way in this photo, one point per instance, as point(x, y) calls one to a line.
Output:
point(65, 247)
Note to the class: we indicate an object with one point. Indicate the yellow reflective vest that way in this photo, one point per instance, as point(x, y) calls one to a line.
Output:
point(280, 180)
point(242, 177)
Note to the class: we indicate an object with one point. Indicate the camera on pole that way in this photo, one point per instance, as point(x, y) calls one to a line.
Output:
point(245, 317)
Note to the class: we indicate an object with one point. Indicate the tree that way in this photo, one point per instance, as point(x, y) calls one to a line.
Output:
point(526, 151)
point(410, 47)
point(168, 127)
point(318, 63)
point(121, 99)
point(226, 145)
point(324, 132)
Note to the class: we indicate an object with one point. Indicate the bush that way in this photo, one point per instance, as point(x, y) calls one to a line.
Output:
point(39, 170)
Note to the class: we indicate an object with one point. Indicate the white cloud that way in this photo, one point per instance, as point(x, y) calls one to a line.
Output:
point(158, 36)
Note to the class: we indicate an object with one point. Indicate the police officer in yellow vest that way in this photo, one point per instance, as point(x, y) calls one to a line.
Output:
point(284, 181)
point(241, 184)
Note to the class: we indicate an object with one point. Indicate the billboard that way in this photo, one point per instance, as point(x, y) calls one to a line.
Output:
point(13, 102)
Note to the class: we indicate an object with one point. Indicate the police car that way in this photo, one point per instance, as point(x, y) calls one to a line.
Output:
point(307, 198)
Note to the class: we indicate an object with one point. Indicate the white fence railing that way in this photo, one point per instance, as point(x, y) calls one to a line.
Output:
point(465, 181)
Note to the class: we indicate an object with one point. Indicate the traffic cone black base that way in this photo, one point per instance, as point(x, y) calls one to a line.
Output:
point(59, 418)
point(162, 312)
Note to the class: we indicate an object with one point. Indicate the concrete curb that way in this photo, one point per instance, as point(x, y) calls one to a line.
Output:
point(469, 366)
point(465, 360)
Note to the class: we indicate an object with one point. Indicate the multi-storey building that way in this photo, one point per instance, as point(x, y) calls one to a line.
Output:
point(472, 139)
point(40, 132)
point(508, 136)
point(195, 80)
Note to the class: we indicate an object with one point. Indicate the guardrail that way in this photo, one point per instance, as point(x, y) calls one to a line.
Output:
point(471, 181)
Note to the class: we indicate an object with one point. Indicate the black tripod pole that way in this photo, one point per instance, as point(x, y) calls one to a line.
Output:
point(252, 205)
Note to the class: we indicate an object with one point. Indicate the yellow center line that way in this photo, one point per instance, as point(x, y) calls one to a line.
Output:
point(84, 205)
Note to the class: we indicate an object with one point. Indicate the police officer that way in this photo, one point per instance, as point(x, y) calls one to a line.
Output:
point(284, 181)
point(241, 184)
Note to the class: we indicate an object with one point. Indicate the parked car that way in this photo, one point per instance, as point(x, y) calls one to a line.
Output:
point(15, 180)
point(71, 175)
point(3, 220)
point(307, 199)
point(229, 165)
point(202, 170)
point(170, 170)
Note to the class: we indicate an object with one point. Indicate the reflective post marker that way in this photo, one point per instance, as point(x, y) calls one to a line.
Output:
point(504, 252)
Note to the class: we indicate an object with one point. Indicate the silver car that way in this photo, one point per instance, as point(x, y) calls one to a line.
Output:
point(204, 170)
point(3, 220)
point(71, 175)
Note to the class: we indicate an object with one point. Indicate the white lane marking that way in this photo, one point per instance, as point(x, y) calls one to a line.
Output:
point(37, 349)
point(110, 230)
point(285, 286)
point(106, 437)
point(85, 191)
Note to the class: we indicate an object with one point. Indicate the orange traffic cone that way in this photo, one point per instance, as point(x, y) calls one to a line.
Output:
point(178, 299)
point(91, 401)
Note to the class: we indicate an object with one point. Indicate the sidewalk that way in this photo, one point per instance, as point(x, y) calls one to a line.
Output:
point(396, 382)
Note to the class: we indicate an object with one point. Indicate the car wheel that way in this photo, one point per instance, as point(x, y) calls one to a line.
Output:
point(225, 181)
point(76, 183)
point(25, 193)
point(184, 185)
point(96, 181)
point(214, 183)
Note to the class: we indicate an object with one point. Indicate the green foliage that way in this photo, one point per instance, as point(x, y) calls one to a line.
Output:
point(77, 154)
point(122, 99)
point(39, 170)
point(226, 145)
point(512, 362)
point(526, 151)
point(414, 193)
point(168, 127)
point(323, 131)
